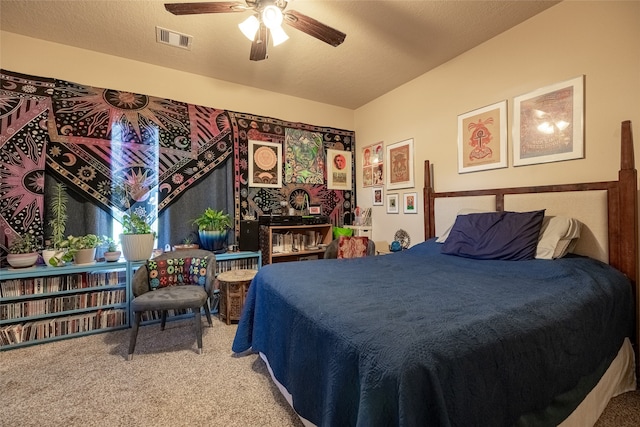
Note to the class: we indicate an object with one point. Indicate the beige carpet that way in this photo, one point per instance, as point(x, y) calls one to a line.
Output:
point(87, 382)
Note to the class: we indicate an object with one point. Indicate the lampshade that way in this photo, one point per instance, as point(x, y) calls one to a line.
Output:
point(249, 27)
point(278, 35)
point(272, 16)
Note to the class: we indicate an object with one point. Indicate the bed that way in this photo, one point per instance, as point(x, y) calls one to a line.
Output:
point(421, 338)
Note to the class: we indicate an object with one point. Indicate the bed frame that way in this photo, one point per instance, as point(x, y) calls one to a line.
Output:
point(620, 198)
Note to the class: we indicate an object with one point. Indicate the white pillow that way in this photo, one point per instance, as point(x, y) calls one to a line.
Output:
point(558, 236)
point(464, 211)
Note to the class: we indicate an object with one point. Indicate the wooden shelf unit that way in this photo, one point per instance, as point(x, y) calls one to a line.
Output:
point(287, 253)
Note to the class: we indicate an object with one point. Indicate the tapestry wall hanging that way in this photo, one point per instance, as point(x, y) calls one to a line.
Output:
point(106, 143)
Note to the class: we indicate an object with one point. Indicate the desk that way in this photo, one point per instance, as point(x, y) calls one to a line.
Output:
point(234, 285)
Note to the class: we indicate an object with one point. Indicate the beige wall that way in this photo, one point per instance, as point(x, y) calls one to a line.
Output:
point(600, 40)
point(45, 59)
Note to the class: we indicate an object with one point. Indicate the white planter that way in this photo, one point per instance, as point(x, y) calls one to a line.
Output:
point(22, 260)
point(136, 247)
point(84, 256)
point(47, 254)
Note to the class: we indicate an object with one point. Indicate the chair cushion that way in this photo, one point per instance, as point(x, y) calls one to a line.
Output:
point(176, 271)
point(352, 247)
point(171, 297)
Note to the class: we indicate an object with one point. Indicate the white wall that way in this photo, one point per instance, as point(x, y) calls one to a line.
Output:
point(600, 40)
point(45, 59)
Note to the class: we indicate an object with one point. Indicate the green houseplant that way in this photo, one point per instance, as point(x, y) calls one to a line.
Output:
point(111, 253)
point(57, 223)
point(80, 249)
point(213, 226)
point(137, 237)
point(22, 252)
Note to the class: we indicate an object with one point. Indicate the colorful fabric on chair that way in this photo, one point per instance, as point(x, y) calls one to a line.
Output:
point(352, 247)
point(176, 271)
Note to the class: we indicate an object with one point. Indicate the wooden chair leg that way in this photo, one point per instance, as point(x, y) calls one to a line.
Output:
point(134, 334)
point(198, 321)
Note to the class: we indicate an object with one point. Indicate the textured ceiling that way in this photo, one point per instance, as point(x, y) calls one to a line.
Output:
point(388, 43)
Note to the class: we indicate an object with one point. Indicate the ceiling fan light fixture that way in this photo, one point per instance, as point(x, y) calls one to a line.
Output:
point(278, 35)
point(249, 27)
point(272, 17)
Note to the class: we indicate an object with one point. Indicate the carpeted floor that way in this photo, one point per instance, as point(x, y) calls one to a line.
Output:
point(88, 382)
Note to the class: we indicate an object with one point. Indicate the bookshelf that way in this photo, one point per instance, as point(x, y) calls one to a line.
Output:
point(42, 304)
point(282, 243)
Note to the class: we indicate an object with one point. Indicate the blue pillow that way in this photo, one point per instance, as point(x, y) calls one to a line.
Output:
point(495, 235)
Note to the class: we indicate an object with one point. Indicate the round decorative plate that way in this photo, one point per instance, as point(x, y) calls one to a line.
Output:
point(265, 158)
point(402, 237)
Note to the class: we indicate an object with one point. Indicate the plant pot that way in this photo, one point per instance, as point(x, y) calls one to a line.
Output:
point(47, 254)
point(136, 247)
point(22, 260)
point(112, 256)
point(184, 246)
point(84, 256)
point(213, 240)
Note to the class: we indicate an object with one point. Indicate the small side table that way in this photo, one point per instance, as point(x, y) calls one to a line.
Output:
point(234, 285)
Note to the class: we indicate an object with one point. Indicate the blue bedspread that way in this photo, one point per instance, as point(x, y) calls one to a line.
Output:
point(419, 338)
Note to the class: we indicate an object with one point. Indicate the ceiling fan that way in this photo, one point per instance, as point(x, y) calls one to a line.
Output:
point(266, 21)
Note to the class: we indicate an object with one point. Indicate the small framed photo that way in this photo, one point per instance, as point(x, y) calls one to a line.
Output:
point(482, 138)
point(378, 196)
point(315, 210)
point(548, 124)
point(399, 158)
point(392, 203)
point(410, 205)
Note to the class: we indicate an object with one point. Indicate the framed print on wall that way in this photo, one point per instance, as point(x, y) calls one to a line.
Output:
point(548, 124)
point(338, 170)
point(410, 203)
point(265, 164)
point(482, 138)
point(399, 158)
point(392, 203)
point(377, 196)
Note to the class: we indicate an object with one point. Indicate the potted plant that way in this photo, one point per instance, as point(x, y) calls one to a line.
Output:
point(187, 243)
point(213, 226)
point(80, 249)
point(57, 222)
point(22, 252)
point(137, 237)
point(112, 253)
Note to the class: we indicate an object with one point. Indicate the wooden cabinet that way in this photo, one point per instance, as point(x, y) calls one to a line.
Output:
point(281, 243)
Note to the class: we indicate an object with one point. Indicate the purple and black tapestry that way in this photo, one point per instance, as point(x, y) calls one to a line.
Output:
point(123, 150)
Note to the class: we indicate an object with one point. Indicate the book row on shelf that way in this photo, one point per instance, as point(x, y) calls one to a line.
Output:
point(41, 306)
point(44, 285)
point(236, 264)
point(60, 326)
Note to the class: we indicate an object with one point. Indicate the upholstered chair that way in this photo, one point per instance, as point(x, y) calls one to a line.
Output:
point(334, 248)
point(161, 286)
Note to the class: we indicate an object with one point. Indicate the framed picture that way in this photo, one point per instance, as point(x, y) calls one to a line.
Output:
point(315, 210)
point(265, 164)
point(482, 138)
point(372, 168)
point(338, 170)
point(410, 205)
point(399, 159)
point(378, 196)
point(392, 203)
point(548, 124)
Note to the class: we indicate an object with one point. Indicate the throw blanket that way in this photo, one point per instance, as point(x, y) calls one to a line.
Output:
point(421, 338)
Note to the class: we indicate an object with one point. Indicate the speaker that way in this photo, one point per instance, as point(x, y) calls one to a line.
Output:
point(249, 235)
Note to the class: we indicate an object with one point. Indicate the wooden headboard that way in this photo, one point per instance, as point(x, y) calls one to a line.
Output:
point(615, 241)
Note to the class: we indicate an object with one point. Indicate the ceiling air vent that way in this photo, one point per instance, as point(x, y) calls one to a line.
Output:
point(173, 38)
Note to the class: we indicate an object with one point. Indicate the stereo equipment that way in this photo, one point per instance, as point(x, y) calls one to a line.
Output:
point(249, 235)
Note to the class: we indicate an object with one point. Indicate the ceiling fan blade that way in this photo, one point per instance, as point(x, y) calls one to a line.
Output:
point(259, 45)
point(314, 28)
point(207, 7)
